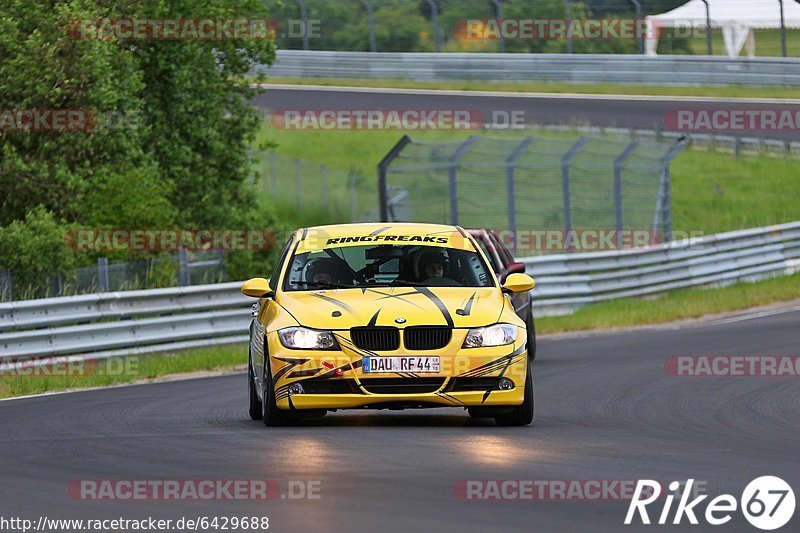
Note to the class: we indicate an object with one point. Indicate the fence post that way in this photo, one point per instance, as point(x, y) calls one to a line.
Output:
point(566, 161)
point(273, 177)
point(383, 169)
point(102, 274)
point(183, 268)
point(352, 186)
point(10, 286)
point(298, 174)
point(618, 164)
point(452, 174)
point(511, 167)
point(663, 216)
point(324, 173)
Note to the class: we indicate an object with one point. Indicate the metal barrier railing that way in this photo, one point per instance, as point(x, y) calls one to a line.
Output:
point(573, 68)
point(181, 317)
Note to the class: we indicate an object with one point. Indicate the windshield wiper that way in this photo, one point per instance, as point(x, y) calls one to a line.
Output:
point(408, 283)
point(323, 284)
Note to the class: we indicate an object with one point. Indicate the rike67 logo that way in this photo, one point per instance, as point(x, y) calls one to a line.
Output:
point(767, 503)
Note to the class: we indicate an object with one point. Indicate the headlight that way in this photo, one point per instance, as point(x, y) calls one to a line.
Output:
point(299, 338)
point(496, 335)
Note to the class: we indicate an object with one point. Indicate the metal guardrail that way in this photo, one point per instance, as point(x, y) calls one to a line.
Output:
point(102, 325)
point(572, 68)
point(566, 282)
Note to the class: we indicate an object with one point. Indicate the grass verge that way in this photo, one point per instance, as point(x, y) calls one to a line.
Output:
point(729, 91)
point(119, 370)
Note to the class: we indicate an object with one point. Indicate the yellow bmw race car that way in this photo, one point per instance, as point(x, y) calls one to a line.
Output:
point(387, 316)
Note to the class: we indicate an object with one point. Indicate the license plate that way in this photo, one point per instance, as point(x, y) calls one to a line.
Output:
point(377, 365)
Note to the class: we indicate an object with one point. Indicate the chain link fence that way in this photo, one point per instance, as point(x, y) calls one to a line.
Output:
point(559, 186)
point(342, 196)
point(179, 269)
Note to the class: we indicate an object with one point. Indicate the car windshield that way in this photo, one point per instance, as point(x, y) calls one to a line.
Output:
point(386, 265)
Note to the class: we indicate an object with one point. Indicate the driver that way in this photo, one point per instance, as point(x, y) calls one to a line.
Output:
point(433, 266)
point(320, 271)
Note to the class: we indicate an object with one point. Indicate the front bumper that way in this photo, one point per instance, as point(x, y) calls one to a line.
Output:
point(335, 380)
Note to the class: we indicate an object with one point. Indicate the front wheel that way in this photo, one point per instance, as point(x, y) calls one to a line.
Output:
point(273, 417)
point(520, 415)
point(255, 403)
point(531, 329)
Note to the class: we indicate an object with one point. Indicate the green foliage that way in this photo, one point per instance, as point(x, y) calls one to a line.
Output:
point(406, 25)
point(245, 264)
point(34, 247)
point(169, 146)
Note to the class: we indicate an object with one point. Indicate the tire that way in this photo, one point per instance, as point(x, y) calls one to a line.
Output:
point(531, 327)
point(521, 415)
point(272, 416)
point(255, 404)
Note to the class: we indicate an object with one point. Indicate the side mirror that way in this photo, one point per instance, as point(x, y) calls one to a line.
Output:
point(518, 283)
point(257, 288)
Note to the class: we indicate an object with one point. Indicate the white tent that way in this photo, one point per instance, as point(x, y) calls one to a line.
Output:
point(736, 18)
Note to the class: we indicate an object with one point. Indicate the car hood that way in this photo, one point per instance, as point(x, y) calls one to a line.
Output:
point(459, 307)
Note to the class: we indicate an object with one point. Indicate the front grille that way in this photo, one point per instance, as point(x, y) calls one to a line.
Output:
point(426, 337)
point(473, 384)
point(402, 385)
point(376, 338)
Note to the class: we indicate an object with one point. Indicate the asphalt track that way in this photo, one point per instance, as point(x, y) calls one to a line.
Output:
point(646, 112)
point(606, 410)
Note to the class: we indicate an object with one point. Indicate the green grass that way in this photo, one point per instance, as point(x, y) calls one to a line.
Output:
point(117, 371)
point(731, 91)
point(711, 192)
point(768, 43)
point(677, 305)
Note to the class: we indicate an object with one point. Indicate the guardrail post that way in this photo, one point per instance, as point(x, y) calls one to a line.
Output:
point(383, 169)
point(566, 161)
point(183, 268)
point(452, 176)
point(102, 274)
point(618, 164)
point(511, 168)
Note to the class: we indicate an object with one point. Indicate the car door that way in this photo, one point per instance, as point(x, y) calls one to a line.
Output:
point(260, 308)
